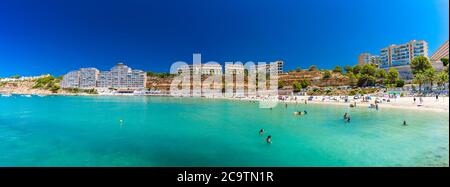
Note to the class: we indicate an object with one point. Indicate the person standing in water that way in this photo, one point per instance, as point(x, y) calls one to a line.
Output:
point(269, 139)
point(348, 119)
point(345, 116)
point(285, 105)
point(261, 132)
point(404, 123)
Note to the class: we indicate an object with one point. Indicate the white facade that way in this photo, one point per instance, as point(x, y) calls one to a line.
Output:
point(88, 78)
point(234, 69)
point(204, 69)
point(120, 77)
point(71, 80)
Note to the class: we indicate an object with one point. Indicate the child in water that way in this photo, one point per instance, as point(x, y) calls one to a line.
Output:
point(261, 131)
point(269, 139)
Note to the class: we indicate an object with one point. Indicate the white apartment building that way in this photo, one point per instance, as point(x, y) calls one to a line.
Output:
point(120, 77)
point(71, 80)
point(234, 69)
point(399, 55)
point(88, 78)
point(204, 69)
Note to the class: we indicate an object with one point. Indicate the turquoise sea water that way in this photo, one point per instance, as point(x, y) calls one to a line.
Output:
point(163, 131)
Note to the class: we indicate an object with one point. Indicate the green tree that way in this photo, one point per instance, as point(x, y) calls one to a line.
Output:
point(430, 76)
point(281, 84)
point(327, 74)
point(356, 69)
point(54, 88)
point(444, 61)
point(399, 83)
point(305, 83)
point(312, 68)
point(420, 64)
point(392, 75)
point(15, 76)
point(368, 69)
point(381, 74)
point(352, 78)
point(366, 80)
point(297, 86)
point(419, 78)
point(298, 69)
point(337, 69)
point(442, 78)
point(348, 68)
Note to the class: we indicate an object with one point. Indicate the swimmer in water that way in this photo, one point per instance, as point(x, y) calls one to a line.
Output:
point(345, 116)
point(304, 112)
point(404, 123)
point(348, 119)
point(261, 131)
point(269, 139)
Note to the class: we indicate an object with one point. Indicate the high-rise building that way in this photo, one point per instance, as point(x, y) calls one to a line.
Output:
point(367, 58)
point(88, 77)
point(71, 80)
point(234, 69)
point(399, 55)
point(273, 66)
point(441, 52)
point(204, 69)
point(104, 79)
point(120, 76)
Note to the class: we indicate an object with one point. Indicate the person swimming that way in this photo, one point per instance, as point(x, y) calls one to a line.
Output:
point(269, 139)
point(305, 112)
point(261, 131)
point(298, 113)
point(348, 119)
point(404, 123)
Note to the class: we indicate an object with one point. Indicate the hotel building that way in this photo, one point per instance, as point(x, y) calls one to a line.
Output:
point(441, 52)
point(216, 69)
point(367, 58)
point(88, 78)
point(204, 69)
point(234, 69)
point(399, 55)
point(273, 66)
point(71, 80)
point(120, 77)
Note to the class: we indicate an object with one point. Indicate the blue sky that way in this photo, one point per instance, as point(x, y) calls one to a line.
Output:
point(51, 36)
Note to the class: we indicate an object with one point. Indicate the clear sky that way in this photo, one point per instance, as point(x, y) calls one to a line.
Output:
point(54, 36)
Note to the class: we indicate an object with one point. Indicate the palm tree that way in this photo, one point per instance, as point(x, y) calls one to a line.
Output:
point(430, 76)
point(442, 78)
point(419, 79)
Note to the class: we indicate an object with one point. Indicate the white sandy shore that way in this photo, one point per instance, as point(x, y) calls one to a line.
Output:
point(428, 104)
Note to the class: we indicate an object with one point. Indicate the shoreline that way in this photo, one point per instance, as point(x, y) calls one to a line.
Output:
point(404, 103)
